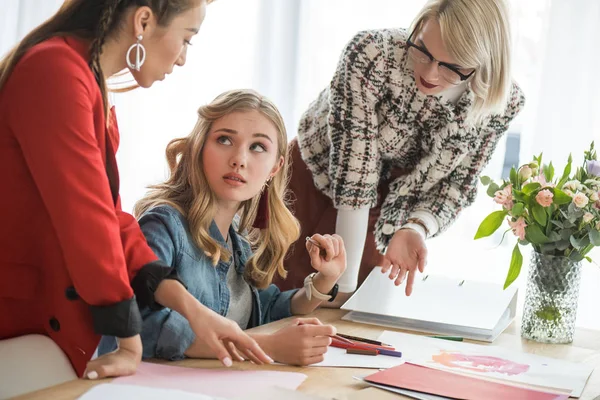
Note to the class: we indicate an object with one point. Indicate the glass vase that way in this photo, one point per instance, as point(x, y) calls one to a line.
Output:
point(551, 299)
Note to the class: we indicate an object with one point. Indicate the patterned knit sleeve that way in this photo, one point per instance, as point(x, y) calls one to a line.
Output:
point(358, 85)
point(458, 190)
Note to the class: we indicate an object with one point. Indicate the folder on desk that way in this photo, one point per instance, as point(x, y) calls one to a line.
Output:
point(438, 304)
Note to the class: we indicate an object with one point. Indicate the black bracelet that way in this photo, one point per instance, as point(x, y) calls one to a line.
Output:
point(333, 292)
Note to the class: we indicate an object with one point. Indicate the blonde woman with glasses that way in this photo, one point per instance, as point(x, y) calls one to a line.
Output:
point(390, 152)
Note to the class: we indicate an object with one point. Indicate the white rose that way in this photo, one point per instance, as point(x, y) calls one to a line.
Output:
point(594, 196)
point(573, 185)
point(580, 200)
point(587, 217)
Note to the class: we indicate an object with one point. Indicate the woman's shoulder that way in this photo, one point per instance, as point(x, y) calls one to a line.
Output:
point(59, 56)
point(383, 47)
point(516, 98)
point(396, 36)
point(167, 214)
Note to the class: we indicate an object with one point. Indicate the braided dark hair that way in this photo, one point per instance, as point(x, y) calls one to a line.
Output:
point(105, 26)
point(92, 20)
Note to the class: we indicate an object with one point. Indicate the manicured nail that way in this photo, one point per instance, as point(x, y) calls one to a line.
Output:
point(92, 375)
point(271, 361)
point(227, 362)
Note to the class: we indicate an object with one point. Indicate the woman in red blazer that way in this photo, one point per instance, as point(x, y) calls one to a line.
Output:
point(71, 260)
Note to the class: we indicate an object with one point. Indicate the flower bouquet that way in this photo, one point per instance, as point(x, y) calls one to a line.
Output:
point(559, 215)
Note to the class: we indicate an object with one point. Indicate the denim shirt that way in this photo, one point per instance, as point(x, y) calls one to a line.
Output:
point(167, 334)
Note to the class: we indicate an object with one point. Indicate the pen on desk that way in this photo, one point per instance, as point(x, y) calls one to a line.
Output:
point(322, 251)
point(453, 338)
point(364, 340)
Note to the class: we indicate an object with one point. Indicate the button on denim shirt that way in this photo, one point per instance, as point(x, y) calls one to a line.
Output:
point(167, 334)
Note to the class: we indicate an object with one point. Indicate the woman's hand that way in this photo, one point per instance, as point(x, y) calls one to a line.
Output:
point(226, 339)
point(121, 362)
point(330, 259)
point(405, 253)
point(304, 342)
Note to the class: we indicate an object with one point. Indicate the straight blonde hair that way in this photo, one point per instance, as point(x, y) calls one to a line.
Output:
point(187, 190)
point(477, 35)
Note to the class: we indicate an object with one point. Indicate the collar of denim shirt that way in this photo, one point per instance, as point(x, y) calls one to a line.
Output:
point(241, 248)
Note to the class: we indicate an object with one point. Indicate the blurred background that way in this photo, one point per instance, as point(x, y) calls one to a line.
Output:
point(288, 50)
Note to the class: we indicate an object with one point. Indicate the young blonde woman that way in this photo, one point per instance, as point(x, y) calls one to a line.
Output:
point(390, 153)
point(70, 259)
point(221, 222)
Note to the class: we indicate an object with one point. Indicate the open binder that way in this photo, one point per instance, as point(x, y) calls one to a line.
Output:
point(438, 304)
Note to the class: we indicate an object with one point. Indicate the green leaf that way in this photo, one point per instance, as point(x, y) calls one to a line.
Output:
point(539, 214)
point(575, 256)
point(516, 262)
point(490, 224)
point(561, 197)
point(588, 259)
point(485, 180)
point(549, 172)
point(566, 173)
point(535, 234)
point(514, 177)
point(531, 187)
point(566, 233)
point(581, 243)
point(574, 242)
point(562, 245)
point(557, 223)
point(595, 237)
point(554, 236)
point(492, 189)
point(517, 209)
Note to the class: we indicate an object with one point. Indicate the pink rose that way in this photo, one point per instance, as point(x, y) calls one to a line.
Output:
point(544, 198)
point(587, 217)
point(518, 227)
point(580, 200)
point(595, 196)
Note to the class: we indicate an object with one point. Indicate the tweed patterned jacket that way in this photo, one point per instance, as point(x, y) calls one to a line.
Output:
point(372, 118)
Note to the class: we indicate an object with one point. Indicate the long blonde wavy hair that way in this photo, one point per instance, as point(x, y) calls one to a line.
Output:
point(477, 35)
point(188, 191)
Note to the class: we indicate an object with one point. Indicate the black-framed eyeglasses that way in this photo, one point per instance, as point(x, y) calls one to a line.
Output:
point(448, 72)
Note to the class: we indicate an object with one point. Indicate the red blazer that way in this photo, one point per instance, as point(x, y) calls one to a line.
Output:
point(67, 251)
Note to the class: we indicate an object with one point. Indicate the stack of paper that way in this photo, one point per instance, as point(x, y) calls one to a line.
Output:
point(438, 304)
point(440, 383)
point(491, 364)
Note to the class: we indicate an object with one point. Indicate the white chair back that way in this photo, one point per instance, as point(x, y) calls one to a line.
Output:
point(31, 362)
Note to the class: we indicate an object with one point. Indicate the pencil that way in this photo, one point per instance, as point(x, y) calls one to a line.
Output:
point(323, 252)
point(364, 340)
point(453, 338)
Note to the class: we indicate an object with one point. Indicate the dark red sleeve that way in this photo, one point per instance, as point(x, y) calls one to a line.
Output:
point(53, 122)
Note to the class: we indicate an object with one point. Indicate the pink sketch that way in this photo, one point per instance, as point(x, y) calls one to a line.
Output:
point(479, 363)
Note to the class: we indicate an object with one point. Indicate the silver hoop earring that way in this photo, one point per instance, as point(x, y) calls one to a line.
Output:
point(140, 55)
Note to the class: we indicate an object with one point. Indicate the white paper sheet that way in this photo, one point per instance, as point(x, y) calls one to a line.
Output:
point(491, 362)
point(128, 392)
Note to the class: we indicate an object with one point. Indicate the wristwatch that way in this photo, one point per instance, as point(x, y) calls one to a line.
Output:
point(311, 290)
